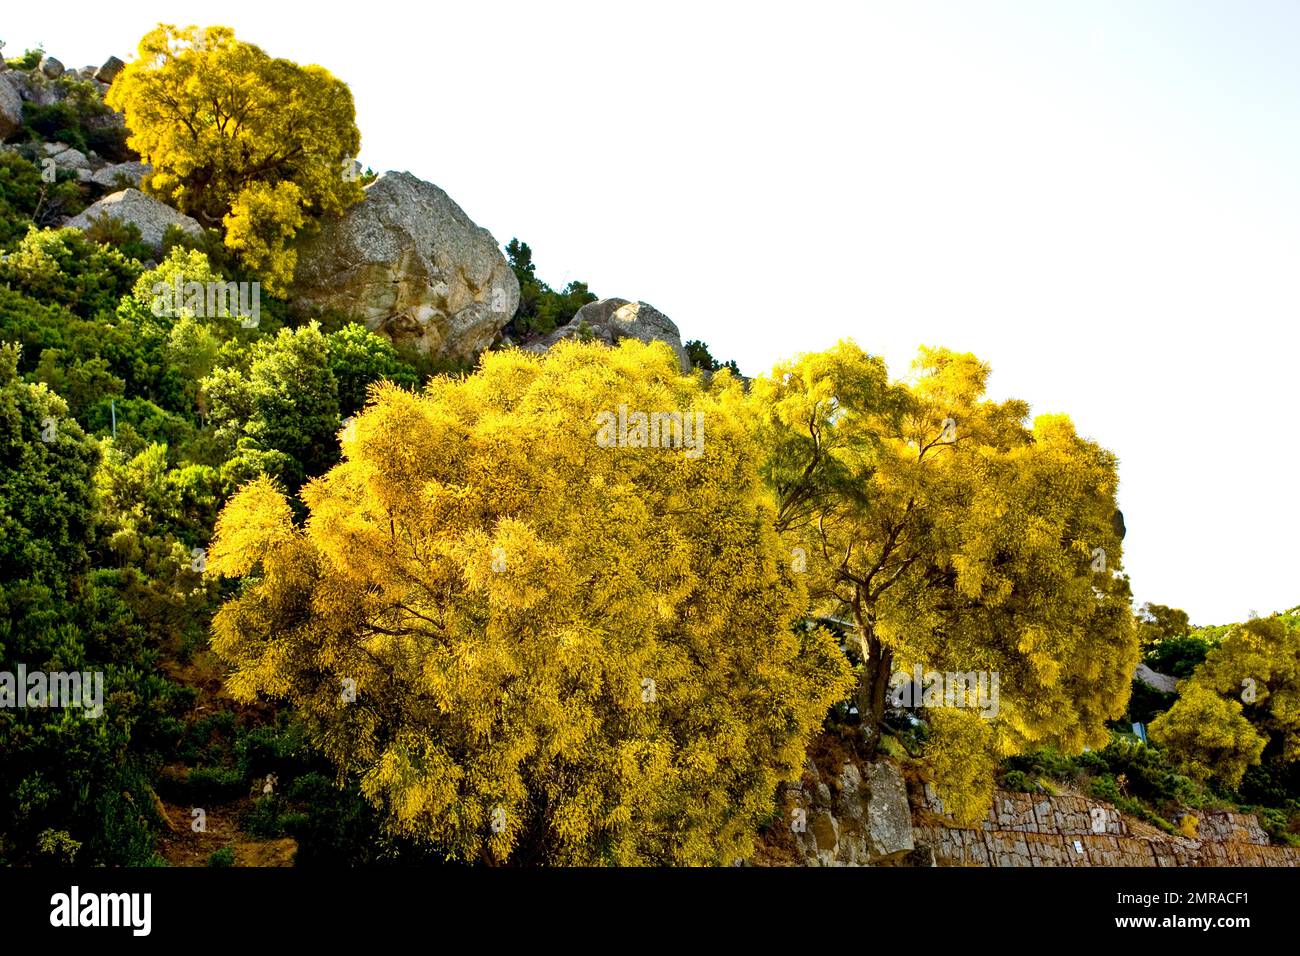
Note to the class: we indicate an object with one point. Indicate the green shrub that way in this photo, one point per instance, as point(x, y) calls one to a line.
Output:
point(28, 61)
point(701, 358)
point(62, 266)
point(1021, 781)
point(264, 819)
point(123, 236)
point(27, 200)
point(1282, 826)
point(358, 358)
point(1178, 656)
point(541, 309)
point(282, 750)
point(78, 118)
point(215, 783)
point(223, 857)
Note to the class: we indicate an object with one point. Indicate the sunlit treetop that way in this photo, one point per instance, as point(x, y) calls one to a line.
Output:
point(240, 139)
point(560, 650)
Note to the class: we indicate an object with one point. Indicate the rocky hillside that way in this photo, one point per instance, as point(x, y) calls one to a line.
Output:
point(407, 261)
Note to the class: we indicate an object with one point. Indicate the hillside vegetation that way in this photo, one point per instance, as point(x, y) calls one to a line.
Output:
point(357, 603)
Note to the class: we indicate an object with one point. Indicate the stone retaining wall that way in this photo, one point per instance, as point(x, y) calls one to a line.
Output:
point(1037, 830)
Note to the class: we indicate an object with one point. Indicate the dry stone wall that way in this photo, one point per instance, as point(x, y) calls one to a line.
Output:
point(1036, 830)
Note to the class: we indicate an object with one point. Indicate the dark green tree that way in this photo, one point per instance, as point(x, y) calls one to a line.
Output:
point(282, 414)
point(357, 359)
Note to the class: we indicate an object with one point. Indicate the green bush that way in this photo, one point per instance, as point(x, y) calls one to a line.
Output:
point(123, 236)
point(701, 358)
point(358, 358)
point(223, 857)
point(1021, 781)
point(1178, 656)
point(215, 783)
point(78, 118)
point(63, 267)
point(263, 820)
point(28, 61)
point(1282, 825)
point(27, 200)
point(282, 750)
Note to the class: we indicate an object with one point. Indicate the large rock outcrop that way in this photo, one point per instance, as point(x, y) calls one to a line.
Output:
point(858, 817)
point(108, 72)
point(11, 107)
point(67, 158)
point(611, 320)
point(408, 263)
point(147, 214)
point(51, 67)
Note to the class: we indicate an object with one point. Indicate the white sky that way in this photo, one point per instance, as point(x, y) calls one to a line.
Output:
point(1098, 198)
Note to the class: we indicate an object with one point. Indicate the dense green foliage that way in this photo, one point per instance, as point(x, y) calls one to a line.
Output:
point(26, 199)
point(157, 417)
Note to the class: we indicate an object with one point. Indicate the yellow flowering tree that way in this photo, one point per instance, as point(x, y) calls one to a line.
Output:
point(241, 139)
point(960, 538)
point(535, 637)
point(1208, 736)
point(1240, 706)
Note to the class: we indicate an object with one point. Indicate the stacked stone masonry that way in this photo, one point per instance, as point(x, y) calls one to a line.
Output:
point(1034, 830)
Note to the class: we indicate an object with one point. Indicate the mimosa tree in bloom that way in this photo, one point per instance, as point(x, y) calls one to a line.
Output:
point(238, 138)
point(532, 645)
point(1241, 706)
point(959, 538)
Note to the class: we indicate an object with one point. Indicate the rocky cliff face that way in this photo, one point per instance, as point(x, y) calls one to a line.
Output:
point(408, 263)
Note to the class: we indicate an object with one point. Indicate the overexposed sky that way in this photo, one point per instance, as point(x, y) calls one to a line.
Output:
point(1100, 199)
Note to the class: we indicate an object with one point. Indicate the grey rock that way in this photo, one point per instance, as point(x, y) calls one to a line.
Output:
point(1156, 680)
point(825, 830)
point(611, 320)
point(107, 120)
point(149, 215)
point(11, 107)
point(121, 175)
point(850, 780)
point(410, 264)
point(106, 73)
point(50, 67)
point(65, 157)
point(849, 803)
point(889, 818)
point(35, 88)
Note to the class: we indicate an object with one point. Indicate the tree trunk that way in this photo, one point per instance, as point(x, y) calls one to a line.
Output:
point(873, 688)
